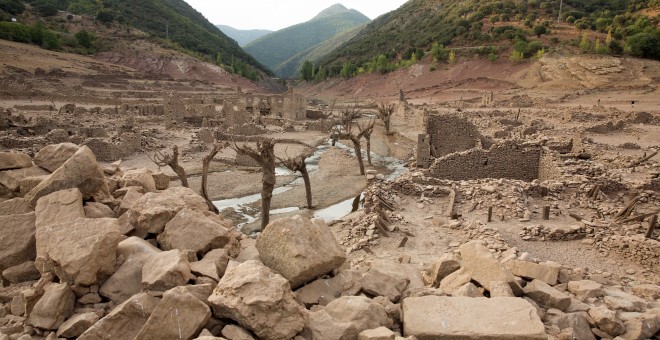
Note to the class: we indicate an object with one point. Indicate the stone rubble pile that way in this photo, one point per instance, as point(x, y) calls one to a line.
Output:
point(95, 252)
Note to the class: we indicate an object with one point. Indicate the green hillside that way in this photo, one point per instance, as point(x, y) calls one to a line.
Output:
point(168, 20)
point(291, 67)
point(496, 26)
point(277, 47)
point(242, 37)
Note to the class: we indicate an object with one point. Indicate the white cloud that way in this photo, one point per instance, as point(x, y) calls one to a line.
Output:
point(278, 14)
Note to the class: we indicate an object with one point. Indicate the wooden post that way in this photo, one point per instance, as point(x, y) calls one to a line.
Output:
point(652, 222)
point(576, 216)
point(546, 212)
point(450, 205)
point(490, 214)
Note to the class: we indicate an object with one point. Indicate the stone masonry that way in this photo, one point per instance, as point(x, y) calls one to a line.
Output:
point(505, 160)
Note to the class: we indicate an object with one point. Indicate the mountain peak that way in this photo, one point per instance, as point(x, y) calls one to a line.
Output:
point(332, 10)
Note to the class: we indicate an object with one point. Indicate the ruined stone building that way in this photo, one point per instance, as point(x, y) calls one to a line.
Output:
point(450, 133)
point(290, 106)
point(509, 159)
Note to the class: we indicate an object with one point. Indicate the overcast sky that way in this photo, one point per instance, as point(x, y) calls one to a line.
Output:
point(277, 14)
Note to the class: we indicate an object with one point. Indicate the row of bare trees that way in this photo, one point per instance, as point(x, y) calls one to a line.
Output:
point(263, 153)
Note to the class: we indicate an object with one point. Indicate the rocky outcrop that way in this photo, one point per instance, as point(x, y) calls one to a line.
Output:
point(86, 259)
point(14, 160)
point(80, 171)
point(52, 157)
point(152, 211)
point(17, 243)
point(299, 249)
point(178, 315)
point(192, 230)
point(125, 321)
point(259, 300)
point(440, 317)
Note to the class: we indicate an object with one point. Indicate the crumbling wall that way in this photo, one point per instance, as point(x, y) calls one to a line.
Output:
point(104, 150)
point(323, 125)
point(245, 160)
point(449, 134)
point(548, 169)
point(505, 160)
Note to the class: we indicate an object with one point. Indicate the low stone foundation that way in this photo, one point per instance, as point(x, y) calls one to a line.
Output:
point(508, 159)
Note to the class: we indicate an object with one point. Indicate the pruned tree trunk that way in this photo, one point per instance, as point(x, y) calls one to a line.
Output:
point(172, 161)
point(358, 153)
point(367, 136)
point(308, 186)
point(298, 164)
point(385, 114)
point(264, 154)
point(348, 115)
point(206, 161)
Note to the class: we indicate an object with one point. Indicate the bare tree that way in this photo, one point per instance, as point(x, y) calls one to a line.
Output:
point(264, 154)
point(171, 160)
point(385, 114)
point(298, 164)
point(206, 161)
point(367, 136)
point(355, 136)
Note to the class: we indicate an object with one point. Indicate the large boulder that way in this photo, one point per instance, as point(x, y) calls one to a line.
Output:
point(17, 243)
point(585, 289)
point(80, 171)
point(607, 321)
point(456, 280)
point(578, 325)
point(178, 315)
point(127, 280)
point(53, 156)
point(15, 206)
point(441, 317)
point(192, 230)
point(13, 160)
point(53, 308)
point(77, 324)
point(321, 326)
point(259, 300)
point(140, 178)
point(642, 325)
point(484, 268)
point(125, 321)
point(81, 251)
point(299, 248)
point(12, 178)
point(213, 264)
point(59, 207)
point(153, 210)
point(546, 296)
point(441, 268)
point(360, 311)
point(166, 270)
point(390, 279)
point(25, 271)
point(98, 210)
point(547, 272)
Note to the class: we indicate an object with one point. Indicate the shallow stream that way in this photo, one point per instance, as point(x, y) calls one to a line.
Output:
point(241, 205)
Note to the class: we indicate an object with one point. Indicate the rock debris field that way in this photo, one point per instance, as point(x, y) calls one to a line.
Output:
point(101, 252)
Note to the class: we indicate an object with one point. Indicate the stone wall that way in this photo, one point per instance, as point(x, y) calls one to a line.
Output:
point(548, 169)
point(322, 125)
point(505, 160)
point(449, 134)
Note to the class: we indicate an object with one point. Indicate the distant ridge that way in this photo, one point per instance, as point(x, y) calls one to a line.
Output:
point(276, 48)
point(242, 37)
